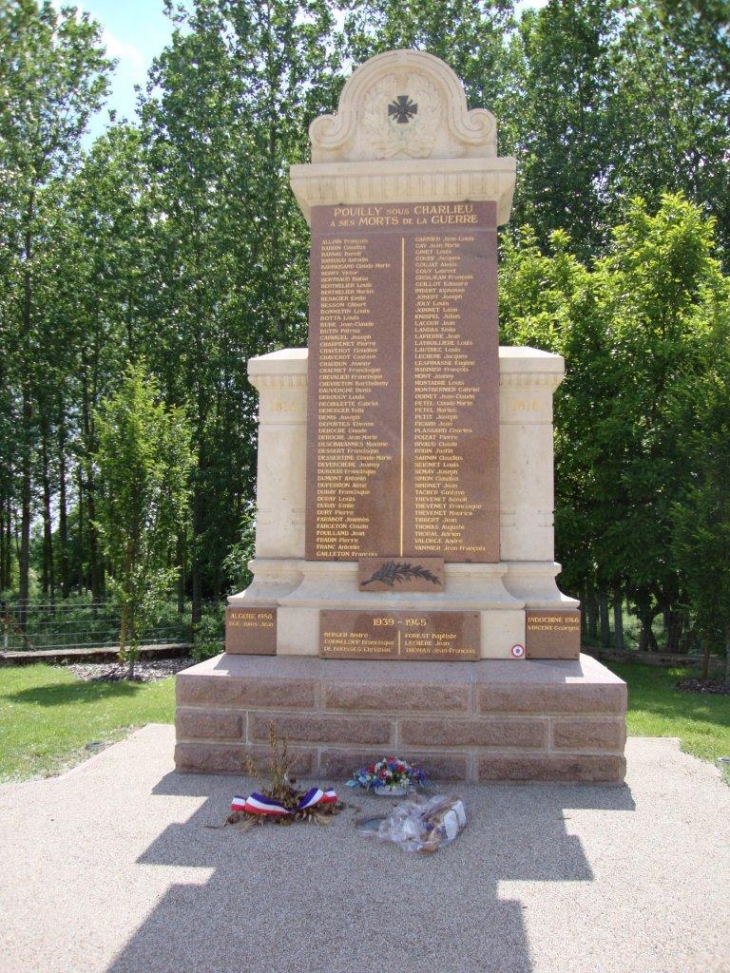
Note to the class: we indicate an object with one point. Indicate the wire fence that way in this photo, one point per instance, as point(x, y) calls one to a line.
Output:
point(81, 626)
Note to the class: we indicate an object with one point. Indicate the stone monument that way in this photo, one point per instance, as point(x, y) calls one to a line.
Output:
point(404, 594)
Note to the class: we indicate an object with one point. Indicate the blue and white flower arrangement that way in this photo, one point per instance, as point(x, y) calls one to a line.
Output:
point(388, 774)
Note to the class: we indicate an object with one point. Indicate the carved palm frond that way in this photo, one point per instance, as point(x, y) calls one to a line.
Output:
point(396, 572)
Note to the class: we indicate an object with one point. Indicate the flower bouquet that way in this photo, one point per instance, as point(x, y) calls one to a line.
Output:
point(389, 777)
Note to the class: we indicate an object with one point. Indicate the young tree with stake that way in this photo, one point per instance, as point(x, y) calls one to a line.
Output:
point(144, 460)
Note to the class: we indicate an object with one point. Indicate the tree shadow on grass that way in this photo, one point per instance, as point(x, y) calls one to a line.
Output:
point(657, 693)
point(78, 692)
point(697, 709)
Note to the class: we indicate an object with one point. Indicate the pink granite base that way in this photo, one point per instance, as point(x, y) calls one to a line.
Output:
point(486, 721)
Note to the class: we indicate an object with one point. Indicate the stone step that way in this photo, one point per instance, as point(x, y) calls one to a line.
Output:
point(491, 720)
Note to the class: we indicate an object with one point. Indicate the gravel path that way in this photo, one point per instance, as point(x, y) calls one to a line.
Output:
point(113, 869)
point(146, 670)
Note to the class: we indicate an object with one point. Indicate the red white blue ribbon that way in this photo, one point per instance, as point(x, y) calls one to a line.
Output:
point(258, 804)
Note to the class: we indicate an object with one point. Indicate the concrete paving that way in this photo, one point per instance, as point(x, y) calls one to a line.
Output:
point(111, 869)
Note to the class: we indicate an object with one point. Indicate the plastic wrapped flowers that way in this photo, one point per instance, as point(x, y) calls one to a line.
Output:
point(389, 776)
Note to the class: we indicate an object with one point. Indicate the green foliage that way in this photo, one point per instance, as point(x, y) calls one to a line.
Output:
point(472, 36)
point(226, 112)
point(670, 109)
point(209, 632)
point(144, 460)
point(619, 99)
point(701, 538)
point(640, 447)
point(177, 239)
point(565, 143)
point(540, 292)
point(53, 76)
point(649, 296)
point(240, 553)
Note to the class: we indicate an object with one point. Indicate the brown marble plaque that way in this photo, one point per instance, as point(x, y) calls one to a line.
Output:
point(250, 631)
point(409, 636)
point(401, 574)
point(552, 634)
point(403, 410)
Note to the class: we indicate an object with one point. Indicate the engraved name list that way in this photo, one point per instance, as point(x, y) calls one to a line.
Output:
point(403, 390)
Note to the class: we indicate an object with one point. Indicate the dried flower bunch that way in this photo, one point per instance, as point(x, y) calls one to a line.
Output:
point(281, 801)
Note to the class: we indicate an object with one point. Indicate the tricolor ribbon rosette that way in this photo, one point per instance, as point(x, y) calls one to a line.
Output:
point(258, 804)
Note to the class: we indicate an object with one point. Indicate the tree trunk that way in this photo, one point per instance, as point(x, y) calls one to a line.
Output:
point(706, 647)
point(96, 566)
point(48, 572)
point(97, 562)
point(63, 564)
point(197, 609)
point(132, 648)
point(647, 639)
point(591, 605)
point(25, 508)
point(180, 558)
point(80, 531)
point(674, 627)
point(123, 631)
point(3, 578)
point(6, 544)
point(618, 623)
point(605, 625)
point(25, 513)
point(27, 410)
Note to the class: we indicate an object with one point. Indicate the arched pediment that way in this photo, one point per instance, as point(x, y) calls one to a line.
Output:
point(401, 106)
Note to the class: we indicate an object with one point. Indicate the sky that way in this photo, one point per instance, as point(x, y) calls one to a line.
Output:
point(134, 32)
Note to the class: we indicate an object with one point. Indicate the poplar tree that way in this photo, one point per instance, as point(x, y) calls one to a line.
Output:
point(226, 113)
point(53, 76)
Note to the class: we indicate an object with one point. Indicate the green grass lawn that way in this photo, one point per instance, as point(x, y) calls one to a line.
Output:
point(48, 718)
point(658, 709)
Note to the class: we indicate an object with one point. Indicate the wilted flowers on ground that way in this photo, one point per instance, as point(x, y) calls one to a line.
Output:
point(388, 772)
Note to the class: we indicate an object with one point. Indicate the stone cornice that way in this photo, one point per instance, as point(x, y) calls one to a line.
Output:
point(518, 368)
point(429, 180)
point(260, 380)
point(521, 380)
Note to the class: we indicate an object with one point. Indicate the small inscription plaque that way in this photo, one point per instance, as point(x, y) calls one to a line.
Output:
point(401, 574)
point(406, 635)
point(251, 631)
point(552, 634)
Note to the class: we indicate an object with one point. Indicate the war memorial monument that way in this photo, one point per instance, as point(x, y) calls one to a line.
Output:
point(404, 597)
